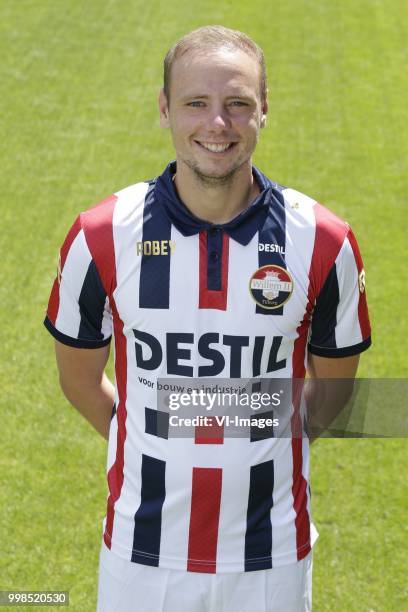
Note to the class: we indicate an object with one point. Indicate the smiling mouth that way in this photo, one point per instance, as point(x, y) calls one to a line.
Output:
point(216, 147)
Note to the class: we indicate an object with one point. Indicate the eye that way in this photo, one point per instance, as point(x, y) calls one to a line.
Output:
point(238, 103)
point(195, 103)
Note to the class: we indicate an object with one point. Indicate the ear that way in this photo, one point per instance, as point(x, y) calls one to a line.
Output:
point(264, 112)
point(163, 110)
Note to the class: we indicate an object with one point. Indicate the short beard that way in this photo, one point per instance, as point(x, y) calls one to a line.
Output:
point(210, 181)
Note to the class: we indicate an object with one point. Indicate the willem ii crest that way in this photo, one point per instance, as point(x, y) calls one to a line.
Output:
point(271, 286)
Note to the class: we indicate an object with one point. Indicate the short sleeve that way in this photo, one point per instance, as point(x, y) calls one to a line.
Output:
point(78, 312)
point(340, 324)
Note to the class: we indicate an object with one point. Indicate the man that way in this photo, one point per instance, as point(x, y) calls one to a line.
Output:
point(210, 270)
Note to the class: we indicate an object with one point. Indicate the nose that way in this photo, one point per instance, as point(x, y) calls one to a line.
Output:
point(219, 118)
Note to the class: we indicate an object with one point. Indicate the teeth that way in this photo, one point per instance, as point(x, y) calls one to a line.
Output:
point(215, 148)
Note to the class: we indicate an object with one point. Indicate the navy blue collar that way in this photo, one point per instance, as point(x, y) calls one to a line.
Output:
point(242, 228)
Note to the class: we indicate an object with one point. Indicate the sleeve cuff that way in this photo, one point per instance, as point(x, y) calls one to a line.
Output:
point(75, 342)
point(346, 351)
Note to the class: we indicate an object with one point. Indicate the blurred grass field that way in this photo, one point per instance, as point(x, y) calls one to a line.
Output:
point(79, 121)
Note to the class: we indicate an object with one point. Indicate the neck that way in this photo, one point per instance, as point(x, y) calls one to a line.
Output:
point(216, 202)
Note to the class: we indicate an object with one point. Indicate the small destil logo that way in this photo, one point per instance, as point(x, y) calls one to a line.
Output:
point(271, 286)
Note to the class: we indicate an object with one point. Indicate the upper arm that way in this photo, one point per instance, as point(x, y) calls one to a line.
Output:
point(80, 367)
point(340, 325)
point(329, 367)
point(79, 313)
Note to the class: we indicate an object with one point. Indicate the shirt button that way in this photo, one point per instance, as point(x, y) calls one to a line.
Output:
point(214, 256)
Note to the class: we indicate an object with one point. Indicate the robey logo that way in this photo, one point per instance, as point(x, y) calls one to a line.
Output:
point(155, 247)
point(59, 269)
point(362, 281)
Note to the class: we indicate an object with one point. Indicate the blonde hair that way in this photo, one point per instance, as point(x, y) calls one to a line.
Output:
point(211, 38)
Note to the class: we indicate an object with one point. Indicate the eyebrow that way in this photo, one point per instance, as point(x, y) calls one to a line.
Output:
point(240, 96)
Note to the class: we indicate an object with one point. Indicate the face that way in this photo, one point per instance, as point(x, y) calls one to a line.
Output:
point(215, 112)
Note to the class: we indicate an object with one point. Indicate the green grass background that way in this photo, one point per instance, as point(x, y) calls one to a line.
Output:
point(79, 121)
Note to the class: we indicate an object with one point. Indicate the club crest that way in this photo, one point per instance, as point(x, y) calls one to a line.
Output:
point(271, 286)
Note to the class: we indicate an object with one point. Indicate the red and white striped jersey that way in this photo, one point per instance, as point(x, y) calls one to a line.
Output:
point(185, 298)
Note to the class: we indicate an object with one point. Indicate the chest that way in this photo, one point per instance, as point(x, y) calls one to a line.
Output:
point(205, 305)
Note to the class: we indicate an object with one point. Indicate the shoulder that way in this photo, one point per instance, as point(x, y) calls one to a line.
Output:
point(115, 209)
point(304, 210)
point(316, 234)
point(102, 226)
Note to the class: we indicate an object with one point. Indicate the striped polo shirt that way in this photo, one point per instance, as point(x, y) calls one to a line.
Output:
point(183, 298)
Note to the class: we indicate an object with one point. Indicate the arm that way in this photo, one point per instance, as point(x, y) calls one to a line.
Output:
point(85, 384)
point(340, 331)
point(324, 398)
